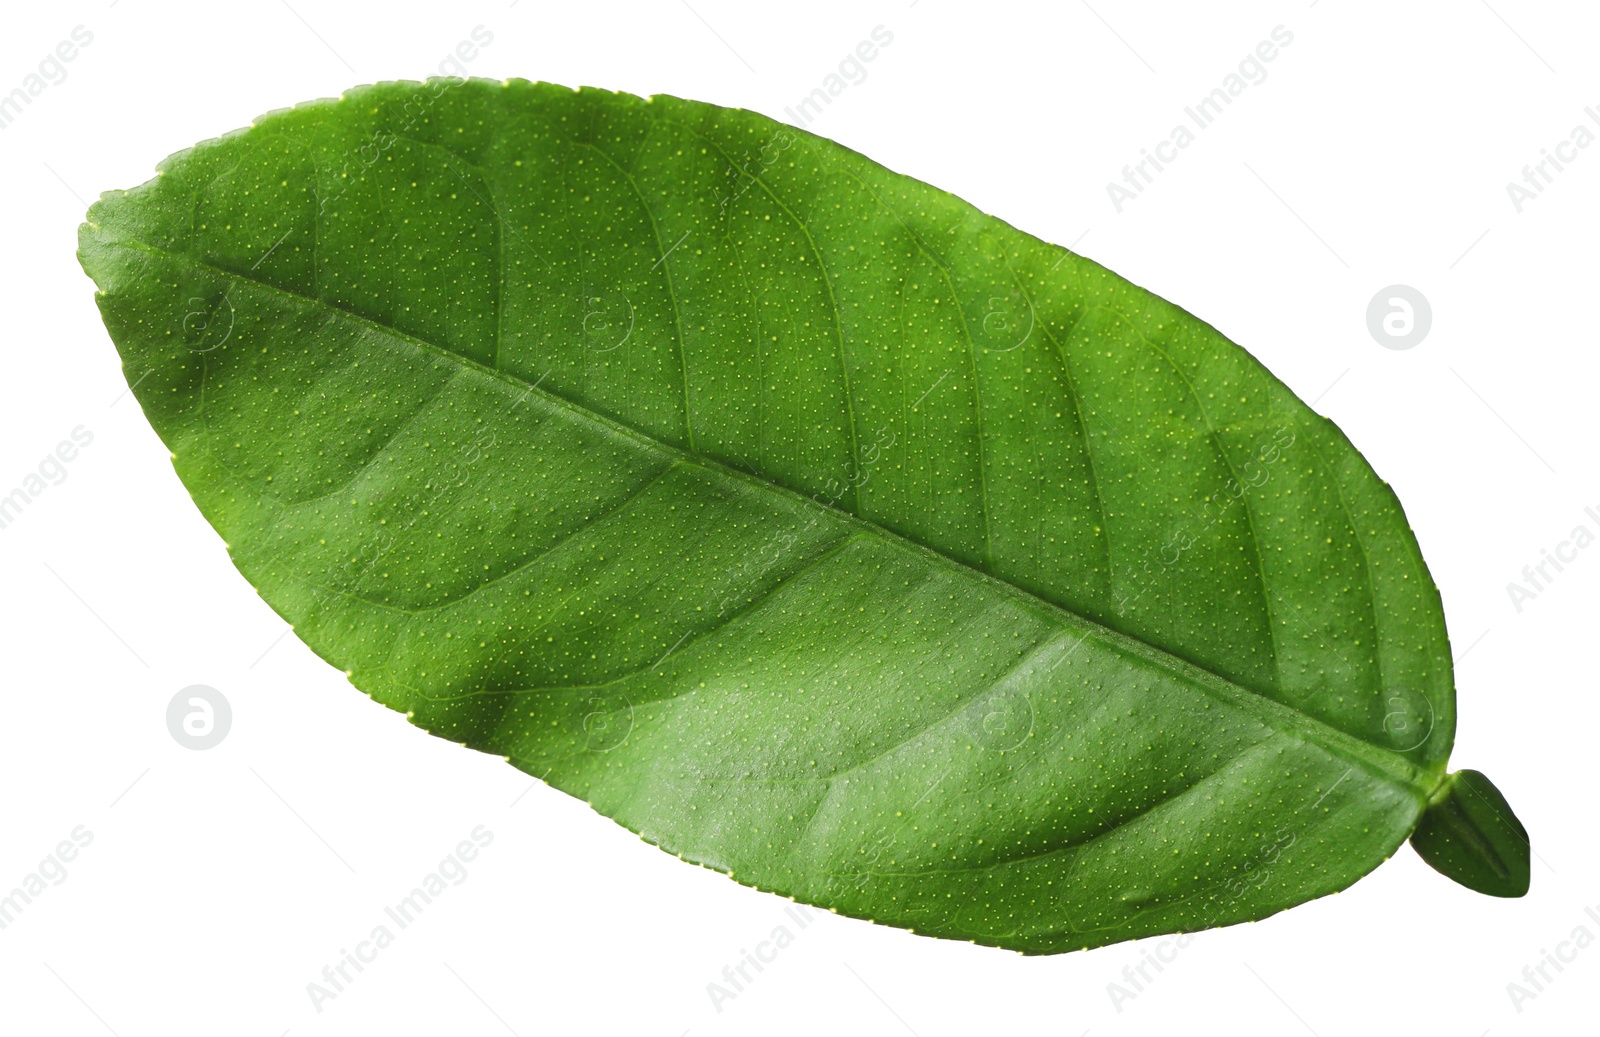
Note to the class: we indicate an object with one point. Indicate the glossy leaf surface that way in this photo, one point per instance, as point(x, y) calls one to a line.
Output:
point(795, 514)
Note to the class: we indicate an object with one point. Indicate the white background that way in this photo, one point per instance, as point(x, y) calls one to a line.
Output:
point(1377, 151)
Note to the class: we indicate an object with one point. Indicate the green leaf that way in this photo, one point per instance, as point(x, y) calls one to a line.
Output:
point(1470, 834)
point(798, 516)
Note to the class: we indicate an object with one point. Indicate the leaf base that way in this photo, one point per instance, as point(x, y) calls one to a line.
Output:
point(1469, 834)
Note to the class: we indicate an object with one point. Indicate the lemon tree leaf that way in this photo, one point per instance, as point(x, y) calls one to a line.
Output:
point(795, 514)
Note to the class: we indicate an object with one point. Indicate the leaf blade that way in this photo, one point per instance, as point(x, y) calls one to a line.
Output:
point(624, 445)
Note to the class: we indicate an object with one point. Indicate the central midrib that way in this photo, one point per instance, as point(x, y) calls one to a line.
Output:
point(1374, 758)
